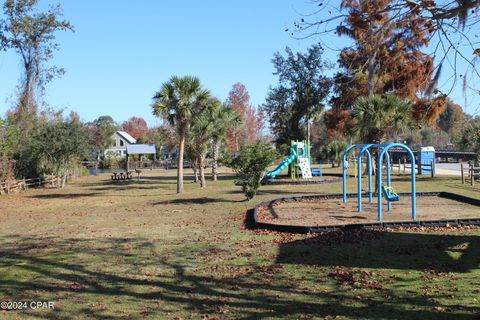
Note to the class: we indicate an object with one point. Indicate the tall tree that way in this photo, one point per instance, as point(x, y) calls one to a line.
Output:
point(299, 95)
point(254, 123)
point(225, 119)
point(7, 164)
point(135, 126)
point(153, 136)
point(58, 143)
point(451, 24)
point(386, 57)
point(101, 132)
point(451, 120)
point(249, 129)
point(470, 138)
point(201, 133)
point(31, 34)
point(179, 101)
point(239, 98)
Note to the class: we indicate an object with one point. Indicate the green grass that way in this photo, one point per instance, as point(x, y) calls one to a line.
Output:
point(138, 251)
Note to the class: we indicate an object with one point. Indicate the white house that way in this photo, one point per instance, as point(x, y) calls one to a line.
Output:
point(121, 140)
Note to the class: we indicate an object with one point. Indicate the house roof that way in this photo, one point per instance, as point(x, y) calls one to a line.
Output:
point(127, 137)
point(141, 149)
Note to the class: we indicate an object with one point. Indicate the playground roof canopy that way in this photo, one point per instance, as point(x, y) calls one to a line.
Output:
point(141, 149)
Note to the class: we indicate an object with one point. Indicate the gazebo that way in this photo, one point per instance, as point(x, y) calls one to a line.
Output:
point(140, 149)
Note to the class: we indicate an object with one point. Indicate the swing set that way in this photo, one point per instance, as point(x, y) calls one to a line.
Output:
point(383, 189)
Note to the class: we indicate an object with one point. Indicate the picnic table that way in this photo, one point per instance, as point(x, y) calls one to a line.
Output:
point(122, 175)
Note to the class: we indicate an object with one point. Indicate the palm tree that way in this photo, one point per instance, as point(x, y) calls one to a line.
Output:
point(179, 100)
point(224, 118)
point(201, 133)
point(192, 157)
point(379, 116)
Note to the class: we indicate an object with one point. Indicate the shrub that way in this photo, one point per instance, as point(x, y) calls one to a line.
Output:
point(250, 165)
point(7, 169)
point(470, 138)
point(110, 162)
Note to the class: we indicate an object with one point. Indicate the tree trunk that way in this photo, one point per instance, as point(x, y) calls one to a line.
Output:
point(371, 72)
point(201, 161)
point(194, 163)
point(180, 160)
point(216, 150)
point(236, 138)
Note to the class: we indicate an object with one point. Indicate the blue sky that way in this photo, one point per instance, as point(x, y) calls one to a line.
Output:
point(122, 51)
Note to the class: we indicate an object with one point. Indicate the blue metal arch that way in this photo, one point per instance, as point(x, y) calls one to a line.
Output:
point(359, 174)
point(379, 177)
point(365, 149)
point(344, 168)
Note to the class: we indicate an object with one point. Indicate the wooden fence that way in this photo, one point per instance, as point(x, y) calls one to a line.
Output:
point(469, 172)
point(49, 181)
point(12, 186)
point(402, 167)
point(162, 164)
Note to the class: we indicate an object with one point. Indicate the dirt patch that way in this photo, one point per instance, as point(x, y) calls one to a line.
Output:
point(327, 212)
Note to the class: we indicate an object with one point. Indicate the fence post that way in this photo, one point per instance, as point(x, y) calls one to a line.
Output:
point(461, 170)
point(472, 176)
point(432, 169)
point(404, 164)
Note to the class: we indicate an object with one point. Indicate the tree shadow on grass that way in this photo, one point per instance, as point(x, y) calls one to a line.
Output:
point(98, 277)
point(264, 192)
point(200, 200)
point(361, 248)
point(130, 187)
point(147, 180)
point(66, 195)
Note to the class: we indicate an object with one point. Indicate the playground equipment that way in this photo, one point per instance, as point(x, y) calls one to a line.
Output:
point(317, 172)
point(387, 190)
point(390, 194)
point(299, 158)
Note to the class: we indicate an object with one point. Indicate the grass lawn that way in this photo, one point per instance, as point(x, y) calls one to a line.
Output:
point(136, 250)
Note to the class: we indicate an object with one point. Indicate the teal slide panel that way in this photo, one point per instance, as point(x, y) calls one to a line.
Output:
point(272, 174)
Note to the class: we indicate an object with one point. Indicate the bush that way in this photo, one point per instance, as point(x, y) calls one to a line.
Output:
point(470, 138)
point(113, 163)
point(333, 150)
point(250, 165)
point(7, 169)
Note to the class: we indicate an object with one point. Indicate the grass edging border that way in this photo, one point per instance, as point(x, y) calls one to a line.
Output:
point(373, 225)
point(279, 182)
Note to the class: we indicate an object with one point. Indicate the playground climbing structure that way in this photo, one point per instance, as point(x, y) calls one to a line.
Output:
point(299, 158)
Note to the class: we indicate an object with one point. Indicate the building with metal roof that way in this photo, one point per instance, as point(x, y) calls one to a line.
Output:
point(121, 140)
point(141, 149)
